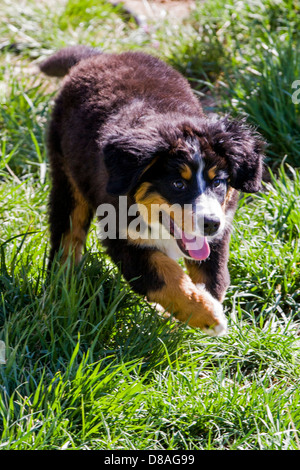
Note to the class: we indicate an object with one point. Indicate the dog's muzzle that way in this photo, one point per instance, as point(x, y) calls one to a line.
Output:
point(192, 246)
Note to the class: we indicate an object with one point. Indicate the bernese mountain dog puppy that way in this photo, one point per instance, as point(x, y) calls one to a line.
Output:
point(128, 127)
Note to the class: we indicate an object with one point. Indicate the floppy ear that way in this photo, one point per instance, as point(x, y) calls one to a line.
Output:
point(243, 149)
point(127, 157)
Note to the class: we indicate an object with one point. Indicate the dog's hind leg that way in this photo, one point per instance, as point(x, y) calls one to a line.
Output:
point(70, 216)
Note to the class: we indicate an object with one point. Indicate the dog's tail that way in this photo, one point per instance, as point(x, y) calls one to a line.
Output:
point(60, 63)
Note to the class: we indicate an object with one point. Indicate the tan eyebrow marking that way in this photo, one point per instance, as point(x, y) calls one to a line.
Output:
point(212, 172)
point(186, 172)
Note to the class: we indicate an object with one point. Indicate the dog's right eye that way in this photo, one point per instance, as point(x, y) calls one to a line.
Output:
point(216, 182)
point(178, 184)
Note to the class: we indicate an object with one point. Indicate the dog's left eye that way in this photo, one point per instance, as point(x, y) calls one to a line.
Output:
point(178, 184)
point(216, 182)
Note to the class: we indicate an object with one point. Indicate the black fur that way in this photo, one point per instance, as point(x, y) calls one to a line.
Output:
point(122, 121)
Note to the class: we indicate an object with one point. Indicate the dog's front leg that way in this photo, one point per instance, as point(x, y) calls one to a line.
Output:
point(188, 302)
point(213, 272)
point(163, 281)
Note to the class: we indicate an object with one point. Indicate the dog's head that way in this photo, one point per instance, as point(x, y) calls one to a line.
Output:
point(189, 171)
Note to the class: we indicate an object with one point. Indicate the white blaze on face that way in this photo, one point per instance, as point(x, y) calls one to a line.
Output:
point(200, 177)
point(207, 205)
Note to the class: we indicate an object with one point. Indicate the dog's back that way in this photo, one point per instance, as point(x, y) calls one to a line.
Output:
point(104, 95)
point(112, 79)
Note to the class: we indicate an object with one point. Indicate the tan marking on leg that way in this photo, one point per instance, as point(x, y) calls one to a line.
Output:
point(195, 272)
point(212, 172)
point(198, 276)
point(180, 295)
point(74, 239)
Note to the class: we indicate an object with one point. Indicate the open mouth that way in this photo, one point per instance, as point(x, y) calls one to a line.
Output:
point(192, 246)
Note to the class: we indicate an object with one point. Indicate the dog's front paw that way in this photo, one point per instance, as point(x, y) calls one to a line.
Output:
point(219, 328)
point(215, 320)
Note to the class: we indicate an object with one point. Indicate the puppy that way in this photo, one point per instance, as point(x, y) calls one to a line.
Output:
point(127, 127)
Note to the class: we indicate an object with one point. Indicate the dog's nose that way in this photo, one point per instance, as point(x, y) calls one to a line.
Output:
point(211, 224)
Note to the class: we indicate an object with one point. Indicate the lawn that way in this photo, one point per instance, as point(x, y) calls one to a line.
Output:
point(84, 362)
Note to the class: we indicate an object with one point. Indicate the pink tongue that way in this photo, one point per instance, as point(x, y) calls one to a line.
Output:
point(197, 247)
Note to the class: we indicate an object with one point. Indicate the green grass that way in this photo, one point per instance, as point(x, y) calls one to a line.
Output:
point(245, 55)
point(89, 364)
